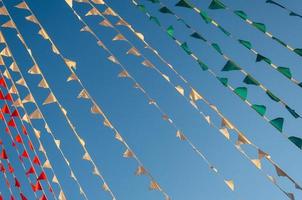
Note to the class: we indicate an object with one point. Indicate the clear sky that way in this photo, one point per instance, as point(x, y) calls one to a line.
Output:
point(173, 163)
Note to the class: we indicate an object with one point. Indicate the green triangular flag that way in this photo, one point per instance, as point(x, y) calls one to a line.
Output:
point(280, 41)
point(260, 58)
point(170, 31)
point(260, 109)
point(298, 51)
point(216, 4)
point(241, 14)
point(272, 96)
point(297, 141)
point(205, 17)
point(260, 26)
point(203, 66)
point(250, 80)
point(292, 111)
point(224, 31)
point(277, 123)
point(185, 47)
point(230, 65)
point(197, 36)
point(165, 10)
point(223, 80)
point(217, 48)
point(183, 3)
point(241, 92)
point(152, 18)
point(245, 43)
point(285, 71)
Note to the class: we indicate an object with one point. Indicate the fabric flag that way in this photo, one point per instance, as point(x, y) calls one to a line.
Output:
point(22, 5)
point(43, 84)
point(34, 70)
point(3, 11)
point(113, 59)
point(119, 37)
point(11, 123)
point(106, 23)
point(62, 196)
point(105, 187)
point(128, 154)
point(195, 96)
point(109, 11)
point(36, 114)
point(14, 67)
point(36, 161)
point(17, 183)
point(25, 154)
point(133, 51)
point(123, 74)
point(71, 64)
point(69, 2)
point(47, 165)
point(13, 90)
point(83, 94)
point(140, 171)
point(230, 184)
point(154, 185)
point(8, 97)
point(9, 24)
point(72, 77)
point(15, 113)
point(118, 137)
point(22, 197)
point(147, 63)
point(42, 176)
point(50, 99)
point(96, 110)
point(19, 139)
point(32, 18)
point(3, 154)
point(87, 156)
point(180, 135)
point(31, 170)
point(2, 83)
point(5, 109)
point(91, 12)
point(43, 33)
point(21, 82)
point(180, 90)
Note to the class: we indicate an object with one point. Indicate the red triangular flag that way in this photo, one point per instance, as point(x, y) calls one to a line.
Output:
point(31, 145)
point(19, 139)
point(14, 144)
point(12, 197)
point(10, 168)
point(3, 154)
point(8, 97)
point(42, 176)
point(23, 197)
point(43, 197)
point(25, 154)
point(24, 130)
point(11, 123)
point(1, 95)
point(31, 170)
point(36, 187)
point(36, 160)
point(1, 198)
point(2, 82)
point(5, 109)
point(15, 113)
point(17, 183)
point(2, 169)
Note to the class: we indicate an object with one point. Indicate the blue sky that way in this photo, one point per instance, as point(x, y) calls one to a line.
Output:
point(172, 162)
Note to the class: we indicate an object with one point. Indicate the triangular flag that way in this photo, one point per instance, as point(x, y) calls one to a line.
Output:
point(180, 90)
point(122, 23)
point(230, 184)
point(9, 24)
point(14, 67)
point(21, 82)
point(47, 164)
point(118, 137)
point(50, 99)
point(106, 23)
point(119, 37)
point(72, 77)
point(7, 74)
point(83, 94)
point(62, 196)
point(34, 70)
point(43, 33)
point(257, 163)
point(3, 11)
point(147, 63)
point(58, 142)
point(96, 110)
point(55, 180)
point(134, 51)
point(32, 18)
point(140, 171)
point(13, 90)
point(2, 83)
point(105, 187)
point(113, 59)
point(91, 12)
point(154, 186)
point(128, 154)
point(109, 11)
point(180, 135)
point(28, 98)
point(71, 64)
point(36, 160)
point(42, 176)
point(22, 5)
point(43, 84)
point(195, 96)
point(87, 156)
point(123, 74)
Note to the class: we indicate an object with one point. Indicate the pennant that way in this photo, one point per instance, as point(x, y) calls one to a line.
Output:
point(128, 154)
point(47, 165)
point(154, 186)
point(96, 110)
point(42, 176)
point(69, 2)
point(3, 11)
point(87, 156)
point(58, 142)
point(50, 99)
point(134, 51)
point(22, 5)
point(8, 97)
point(28, 99)
point(225, 132)
point(147, 63)
point(36, 187)
point(14, 67)
point(92, 12)
point(180, 90)
point(230, 184)
point(9, 24)
point(83, 94)
point(180, 135)
point(36, 161)
point(13, 90)
point(107, 123)
point(3, 154)
point(226, 123)
point(119, 37)
point(36, 114)
point(15, 113)
point(55, 180)
point(2, 83)
point(96, 172)
point(17, 183)
point(32, 18)
point(109, 11)
point(113, 59)
point(19, 139)
point(62, 196)
point(122, 23)
point(1, 95)
point(98, 1)
point(106, 23)
point(11, 123)
point(140, 171)
point(257, 163)
point(5, 109)
point(34, 70)
point(21, 82)
point(43, 84)
point(25, 118)
point(123, 74)
point(195, 96)
point(118, 137)
point(43, 197)
point(6, 74)
point(43, 33)
point(72, 77)
point(10, 168)
point(55, 49)
point(24, 130)
point(71, 64)
point(86, 29)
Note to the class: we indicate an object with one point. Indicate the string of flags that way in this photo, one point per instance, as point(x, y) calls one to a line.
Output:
point(19, 113)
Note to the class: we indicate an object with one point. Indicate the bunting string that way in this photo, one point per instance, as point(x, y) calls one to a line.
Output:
point(52, 99)
point(285, 71)
point(241, 92)
point(243, 140)
point(230, 65)
point(290, 12)
point(194, 95)
point(47, 164)
point(217, 4)
point(179, 133)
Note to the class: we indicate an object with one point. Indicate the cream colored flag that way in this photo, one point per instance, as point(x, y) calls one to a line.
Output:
point(140, 36)
point(47, 128)
point(86, 156)
point(105, 187)
point(140, 171)
point(18, 103)
point(9, 24)
point(32, 18)
point(230, 184)
point(113, 59)
point(180, 90)
point(1, 61)
point(71, 64)
point(28, 99)
point(86, 29)
point(69, 2)
point(195, 96)
point(180, 135)
point(109, 11)
point(166, 77)
point(13, 90)
point(147, 63)
point(54, 179)
point(123, 74)
point(34, 70)
point(41, 149)
point(43, 84)
point(257, 163)
point(82, 142)
point(55, 49)
point(36, 115)
point(96, 110)
point(74, 178)
point(128, 154)
point(83, 94)
point(98, 1)
point(37, 133)
point(119, 37)
point(72, 77)
point(118, 137)
point(93, 11)
point(6, 52)
point(154, 186)
point(208, 119)
point(14, 67)
point(25, 118)
point(47, 164)
point(226, 123)
point(3, 11)
point(58, 143)
point(96, 171)
point(242, 140)
point(50, 99)
point(262, 154)
point(6, 74)
point(22, 82)
point(100, 43)
point(134, 51)
point(106, 23)
point(107, 123)
point(43, 33)
point(22, 5)
point(62, 196)
point(122, 23)
point(225, 132)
